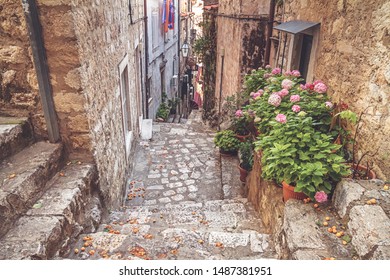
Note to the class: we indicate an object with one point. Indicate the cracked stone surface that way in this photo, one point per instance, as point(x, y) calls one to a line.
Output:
point(176, 206)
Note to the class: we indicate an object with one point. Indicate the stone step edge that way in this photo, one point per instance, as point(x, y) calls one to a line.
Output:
point(62, 219)
point(18, 194)
point(14, 136)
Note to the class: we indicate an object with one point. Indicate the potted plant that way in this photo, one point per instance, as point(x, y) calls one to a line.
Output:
point(227, 141)
point(246, 159)
point(241, 124)
point(300, 157)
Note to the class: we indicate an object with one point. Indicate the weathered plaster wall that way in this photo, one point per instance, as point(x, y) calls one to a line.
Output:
point(241, 34)
point(162, 55)
point(18, 83)
point(353, 58)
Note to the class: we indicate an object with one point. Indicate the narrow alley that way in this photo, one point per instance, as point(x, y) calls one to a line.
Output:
point(183, 201)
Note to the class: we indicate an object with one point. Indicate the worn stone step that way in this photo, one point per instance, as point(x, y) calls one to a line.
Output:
point(15, 134)
point(64, 210)
point(175, 243)
point(23, 178)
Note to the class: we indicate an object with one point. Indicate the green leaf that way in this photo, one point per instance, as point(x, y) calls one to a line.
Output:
point(336, 167)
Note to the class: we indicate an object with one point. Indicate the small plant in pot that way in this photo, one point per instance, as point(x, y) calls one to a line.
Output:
point(241, 124)
point(227, 142)
point(246, 159)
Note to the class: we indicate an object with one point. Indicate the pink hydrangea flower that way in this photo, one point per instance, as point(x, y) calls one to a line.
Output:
point(328, 104)
point(274, 99)
point(307, 87)
point(288, 73)
point(281, 118)
point(268, 66)
point(321, 197)
point(283, 93)
point(296, 108)
point(239, 113)
point(287, 84)
point(295, 73)
point(276, 71)
point(320, 88)
point(317, 82)
point(295, 98)
point(267, 75)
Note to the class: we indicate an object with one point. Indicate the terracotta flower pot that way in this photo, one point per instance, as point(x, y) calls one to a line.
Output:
point(288, 193)
point(243, 174)
point(371, 174)
point(243, 138)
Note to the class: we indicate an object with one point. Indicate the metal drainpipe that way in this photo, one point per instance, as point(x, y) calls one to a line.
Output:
point(178, 57)
point(146, 105)
point(40, 62)
point(270, 25)
point(220, 89)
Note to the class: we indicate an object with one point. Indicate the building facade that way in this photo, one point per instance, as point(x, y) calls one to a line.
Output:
point(162, 51)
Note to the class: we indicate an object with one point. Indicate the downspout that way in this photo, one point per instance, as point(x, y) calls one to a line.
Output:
point(178, 57)
point(271, 18)
point(40, 62)
point(146, 101)
point(220, 89)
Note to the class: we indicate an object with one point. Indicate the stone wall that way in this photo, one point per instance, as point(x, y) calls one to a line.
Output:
point(353, 58)
point(267, 199)
point(241, 36)
point(18, 83)
point(104, 37)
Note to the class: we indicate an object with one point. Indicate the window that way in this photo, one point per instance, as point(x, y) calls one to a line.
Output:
point(304, 37)
point(125, 104)
point(155, 29)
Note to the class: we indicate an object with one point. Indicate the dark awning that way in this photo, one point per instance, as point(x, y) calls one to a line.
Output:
point(295, 26)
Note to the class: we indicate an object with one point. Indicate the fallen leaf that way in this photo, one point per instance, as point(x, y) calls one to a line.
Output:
point(37, 205)
point(219, 245)
point(148, 236)
point(174, 252)
point(162, 256)
point(135, 230)
point(138, 251)
point(62, 174)
point(92, 252)
point(12, 176)
point(200, 241)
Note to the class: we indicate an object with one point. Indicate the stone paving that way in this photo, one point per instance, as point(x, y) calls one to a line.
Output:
point(180, 204)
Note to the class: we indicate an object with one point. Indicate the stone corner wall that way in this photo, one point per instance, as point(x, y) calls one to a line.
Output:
point(267, 199)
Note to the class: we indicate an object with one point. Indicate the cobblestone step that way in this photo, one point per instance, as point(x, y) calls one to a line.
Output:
point(174, 243)
point(15, 134)
point(23, 179)
point(64, 210)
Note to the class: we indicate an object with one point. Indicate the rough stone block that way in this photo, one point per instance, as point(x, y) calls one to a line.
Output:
point(370, 227)
point(346, 192)
point(229, 240)
point(33, 238)
point(300, 228)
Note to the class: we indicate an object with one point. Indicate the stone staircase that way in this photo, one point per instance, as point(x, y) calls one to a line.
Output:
point(42, 199)
point(213, 230)
point(186, 202)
